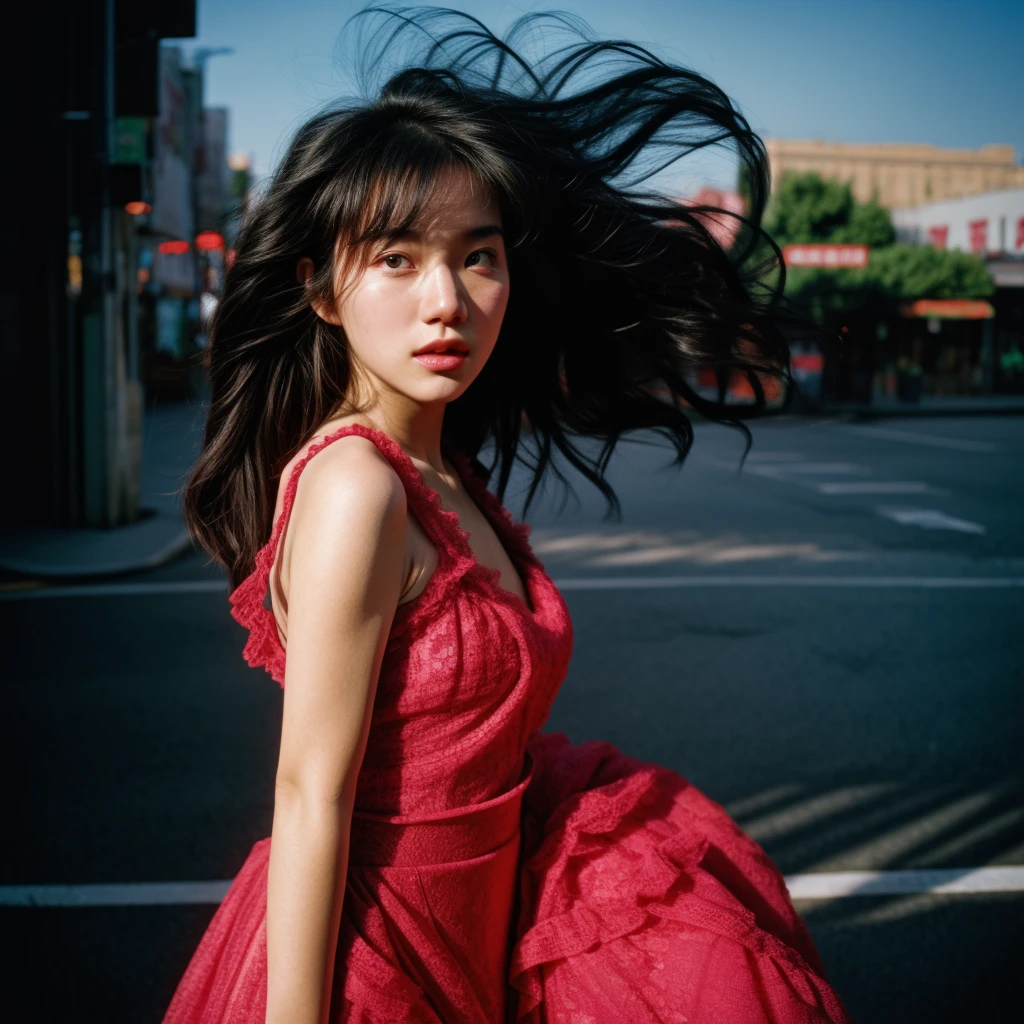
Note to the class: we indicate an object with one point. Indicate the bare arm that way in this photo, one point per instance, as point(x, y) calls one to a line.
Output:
point(345, 573)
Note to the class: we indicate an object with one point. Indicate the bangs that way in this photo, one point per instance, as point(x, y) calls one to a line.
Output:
point(404, 170)
point(396, 199)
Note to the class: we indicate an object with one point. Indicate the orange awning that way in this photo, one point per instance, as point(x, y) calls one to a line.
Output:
point(950, 309)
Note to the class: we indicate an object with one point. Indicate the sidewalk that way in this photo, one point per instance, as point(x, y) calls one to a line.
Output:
point(959, 405)
point(172, 436)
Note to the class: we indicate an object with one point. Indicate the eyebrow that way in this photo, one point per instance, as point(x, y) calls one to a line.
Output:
point(484, 231)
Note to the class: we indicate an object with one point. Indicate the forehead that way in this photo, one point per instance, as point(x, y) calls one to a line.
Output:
point(457, 200)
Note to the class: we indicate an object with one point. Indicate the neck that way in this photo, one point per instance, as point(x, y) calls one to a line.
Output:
point(414, 425)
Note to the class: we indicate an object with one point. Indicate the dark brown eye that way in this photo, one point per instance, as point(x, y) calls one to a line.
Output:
point(482, 258)
point(393, 260)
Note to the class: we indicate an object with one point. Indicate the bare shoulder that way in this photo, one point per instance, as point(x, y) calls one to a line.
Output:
point(350, 474)
point(349, 504)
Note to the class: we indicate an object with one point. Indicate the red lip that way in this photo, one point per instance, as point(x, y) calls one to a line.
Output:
point(455, 346)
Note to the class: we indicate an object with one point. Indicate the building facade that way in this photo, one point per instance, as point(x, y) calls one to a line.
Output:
point(101, 286)
point(990, 226)
point(900, 174)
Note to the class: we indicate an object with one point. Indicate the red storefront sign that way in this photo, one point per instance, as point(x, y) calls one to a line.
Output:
point(1020, 234)
point(826, 254)
point(978, 234)
point(938, 235)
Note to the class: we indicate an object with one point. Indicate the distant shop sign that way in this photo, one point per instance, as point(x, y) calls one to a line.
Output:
point(826, 254)
point(978, 233)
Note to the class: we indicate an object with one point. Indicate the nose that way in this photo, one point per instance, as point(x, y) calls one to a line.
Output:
point(443, 301)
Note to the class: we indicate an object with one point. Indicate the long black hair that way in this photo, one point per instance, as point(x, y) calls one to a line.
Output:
point(619, 295)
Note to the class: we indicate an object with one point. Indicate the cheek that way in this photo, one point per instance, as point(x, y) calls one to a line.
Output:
point(371, 314)
point(491, 305)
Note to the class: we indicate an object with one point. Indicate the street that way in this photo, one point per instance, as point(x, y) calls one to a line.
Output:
point(824, 643)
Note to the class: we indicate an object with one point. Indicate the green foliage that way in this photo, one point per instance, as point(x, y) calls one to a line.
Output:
point(911, 272)
point(870, 224)
point(807, 208)
point(829, 295)
point(241, 181)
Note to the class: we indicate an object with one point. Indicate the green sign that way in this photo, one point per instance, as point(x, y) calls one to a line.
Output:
point(130, 140)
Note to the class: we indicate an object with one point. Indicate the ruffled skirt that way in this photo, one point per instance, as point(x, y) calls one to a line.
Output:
point(601, 890)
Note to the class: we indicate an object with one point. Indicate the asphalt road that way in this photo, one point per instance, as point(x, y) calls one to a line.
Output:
point(848, 720)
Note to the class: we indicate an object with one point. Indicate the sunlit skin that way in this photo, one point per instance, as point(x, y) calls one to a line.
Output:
point(352, 553)
point(446, 280)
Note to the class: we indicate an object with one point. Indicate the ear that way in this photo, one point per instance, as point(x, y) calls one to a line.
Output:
point(326, 310)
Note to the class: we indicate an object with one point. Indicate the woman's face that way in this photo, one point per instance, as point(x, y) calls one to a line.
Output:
point(422, 312)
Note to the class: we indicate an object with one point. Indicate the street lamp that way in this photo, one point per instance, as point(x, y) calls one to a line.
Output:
point(201, 54)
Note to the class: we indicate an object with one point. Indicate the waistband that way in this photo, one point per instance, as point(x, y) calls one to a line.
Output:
point(461, 833)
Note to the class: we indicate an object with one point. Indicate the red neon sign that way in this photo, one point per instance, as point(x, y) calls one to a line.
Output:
point(209, 240)
point(137, 208)
point(177, 247)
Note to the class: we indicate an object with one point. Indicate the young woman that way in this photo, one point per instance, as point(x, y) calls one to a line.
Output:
point(462, 269)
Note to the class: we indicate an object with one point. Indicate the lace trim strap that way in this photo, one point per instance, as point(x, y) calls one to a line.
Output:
point(263, 648)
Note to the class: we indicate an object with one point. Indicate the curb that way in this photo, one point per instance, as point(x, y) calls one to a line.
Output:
point(27, 567)
point(179, 544)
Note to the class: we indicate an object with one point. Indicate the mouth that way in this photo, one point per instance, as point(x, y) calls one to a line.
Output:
point(442, 354)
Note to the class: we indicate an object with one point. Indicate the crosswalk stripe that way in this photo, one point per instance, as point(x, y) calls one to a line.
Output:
point(699, 582)
point(911, 437)
point(936, 881)
point(811, 886)
point(876, 487)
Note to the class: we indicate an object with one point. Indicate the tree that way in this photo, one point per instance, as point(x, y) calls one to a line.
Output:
point(808, 208)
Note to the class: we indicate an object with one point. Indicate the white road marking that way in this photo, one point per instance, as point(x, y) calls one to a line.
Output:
point(776, 457)
point(794, 472)
point(581, 583)
point(126, 894)
point(729, 580)
point(877, 487)
point(827, 468)
point(935, 881)
point(910, 437)
point(813, 886)
point(929, 519)
point(118, 590)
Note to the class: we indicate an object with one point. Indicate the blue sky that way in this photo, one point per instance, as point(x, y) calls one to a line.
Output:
point(950, 73)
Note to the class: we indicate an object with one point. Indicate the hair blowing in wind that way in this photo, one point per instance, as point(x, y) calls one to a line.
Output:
point(618, 294)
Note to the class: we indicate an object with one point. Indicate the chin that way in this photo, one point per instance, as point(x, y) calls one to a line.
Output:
point(440, 389)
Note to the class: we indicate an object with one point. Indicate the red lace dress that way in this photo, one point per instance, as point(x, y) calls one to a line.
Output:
point(498, 873)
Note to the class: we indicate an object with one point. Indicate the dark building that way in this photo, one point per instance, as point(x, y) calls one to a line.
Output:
point(82, 99)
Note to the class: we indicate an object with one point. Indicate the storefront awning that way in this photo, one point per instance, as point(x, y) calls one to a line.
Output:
point(950, 309)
